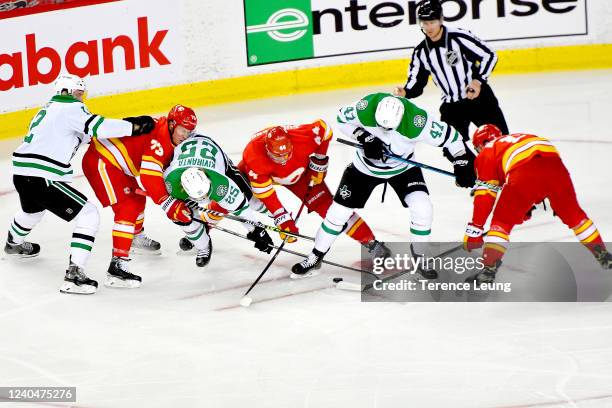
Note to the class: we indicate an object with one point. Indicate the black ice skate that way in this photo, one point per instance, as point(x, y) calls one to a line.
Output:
point(378, 249)
point(118, 275)
point(23, 250)
point(77, 282)
point(603, 257)
point(485, 277)
point(203, 256)
point(309, 266)
point(425, 269)
point(142, 245)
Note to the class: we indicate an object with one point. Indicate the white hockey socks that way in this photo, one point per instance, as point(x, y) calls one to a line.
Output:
point(332, 226)
point(22, 225)
point(196, 233)
point(421, 218)
point(84, 234)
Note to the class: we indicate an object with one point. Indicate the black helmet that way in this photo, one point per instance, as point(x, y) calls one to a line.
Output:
point(429, 10)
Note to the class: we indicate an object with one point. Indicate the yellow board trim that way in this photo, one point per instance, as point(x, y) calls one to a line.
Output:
point(566, 58)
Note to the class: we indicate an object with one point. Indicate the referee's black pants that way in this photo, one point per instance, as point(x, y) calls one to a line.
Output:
point(480, 111)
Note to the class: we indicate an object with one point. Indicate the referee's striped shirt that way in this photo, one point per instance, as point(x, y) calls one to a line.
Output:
point(453, 61)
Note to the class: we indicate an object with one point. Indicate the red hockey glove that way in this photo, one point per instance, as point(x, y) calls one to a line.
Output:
point(176, 210)
point(318, 169)
point(473, 237)
point(283, 220)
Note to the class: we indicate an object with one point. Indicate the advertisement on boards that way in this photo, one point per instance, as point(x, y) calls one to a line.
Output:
point(289, 30)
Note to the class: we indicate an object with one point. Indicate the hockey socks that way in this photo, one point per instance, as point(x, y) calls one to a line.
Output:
point(84, 233)
point(588, 234)
point(123, 234)
point(332, 226)
point(22, 225)
point(357, 229)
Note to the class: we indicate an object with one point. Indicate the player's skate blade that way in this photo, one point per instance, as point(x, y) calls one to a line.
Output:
point(309, 266)
point(118, 275)
point(143, 245)
point(23, 250)
point(76, 282)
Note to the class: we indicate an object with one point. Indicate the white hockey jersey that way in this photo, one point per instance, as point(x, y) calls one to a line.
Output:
point(417, 126)
point(55, 134)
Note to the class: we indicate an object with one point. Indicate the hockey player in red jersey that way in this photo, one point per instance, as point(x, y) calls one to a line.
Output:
point(112, 167)
point(529, 169)
point(295, 157)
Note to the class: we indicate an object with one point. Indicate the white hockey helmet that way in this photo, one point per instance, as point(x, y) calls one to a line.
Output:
point(70, 83)
point(195, 183)
point(389, 113)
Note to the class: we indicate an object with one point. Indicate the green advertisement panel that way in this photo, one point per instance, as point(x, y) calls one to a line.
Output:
point(278, 30)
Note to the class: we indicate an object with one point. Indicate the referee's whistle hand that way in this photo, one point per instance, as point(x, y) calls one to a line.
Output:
point(473, 89)
point(399, 91)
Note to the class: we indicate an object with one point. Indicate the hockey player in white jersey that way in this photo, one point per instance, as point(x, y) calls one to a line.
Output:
point(384, 124)
point(42, 173)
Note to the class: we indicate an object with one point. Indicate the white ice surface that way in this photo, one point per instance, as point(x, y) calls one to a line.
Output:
point(182, 339)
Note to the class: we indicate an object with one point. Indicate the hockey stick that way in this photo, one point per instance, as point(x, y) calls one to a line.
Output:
point(289, 251)
point(490, 186)
point(400, 158)
point(246, 301)
point(251, 222)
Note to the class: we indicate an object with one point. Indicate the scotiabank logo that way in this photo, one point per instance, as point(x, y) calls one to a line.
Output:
point(146, 46)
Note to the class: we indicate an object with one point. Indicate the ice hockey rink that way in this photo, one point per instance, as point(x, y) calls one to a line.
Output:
point(183, 340)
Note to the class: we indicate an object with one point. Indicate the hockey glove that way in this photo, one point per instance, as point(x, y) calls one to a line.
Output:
point(473, 238)
point(262, 240)
point(318, 169)
point(463, 166)
point(373, 147)
point(141, 124)
point(283, 220)
point(176, 210)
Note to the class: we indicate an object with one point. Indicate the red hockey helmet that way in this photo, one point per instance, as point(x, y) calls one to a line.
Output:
point(278, 145)
point(183, 116)
point(484, 134)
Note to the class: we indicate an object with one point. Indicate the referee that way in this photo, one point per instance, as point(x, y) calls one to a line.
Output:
point(460, 64)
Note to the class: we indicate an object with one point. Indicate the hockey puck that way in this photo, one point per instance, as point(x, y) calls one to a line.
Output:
point(336, 280)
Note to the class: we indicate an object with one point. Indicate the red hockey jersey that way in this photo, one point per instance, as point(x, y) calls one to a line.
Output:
point(144, 156)
point(263, 173)
point(497, 160)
